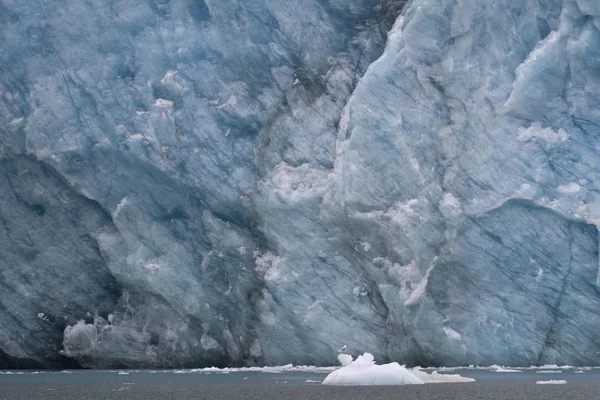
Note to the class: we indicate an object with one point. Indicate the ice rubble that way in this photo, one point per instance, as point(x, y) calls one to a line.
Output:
point(364, 371)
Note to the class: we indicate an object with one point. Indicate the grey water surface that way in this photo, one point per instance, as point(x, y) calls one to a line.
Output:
point(157, 385)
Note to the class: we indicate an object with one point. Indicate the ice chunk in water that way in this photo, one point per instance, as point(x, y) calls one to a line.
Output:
point(364, 371)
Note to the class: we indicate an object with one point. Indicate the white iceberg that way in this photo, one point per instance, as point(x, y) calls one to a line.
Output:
point(364, 371)
point(503, 369)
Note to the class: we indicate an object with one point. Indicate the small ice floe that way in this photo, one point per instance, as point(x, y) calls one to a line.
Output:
point(553, 371)
point(552, 382)
point(364, 371)
point(502, 369)
point(312, 381)
point(580, 372)
point(123, 373)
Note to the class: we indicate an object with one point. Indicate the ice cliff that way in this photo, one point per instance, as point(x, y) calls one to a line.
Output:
point(203, 182)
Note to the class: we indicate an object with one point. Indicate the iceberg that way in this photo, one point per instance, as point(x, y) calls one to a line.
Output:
point(363, 371)
point(189, 184)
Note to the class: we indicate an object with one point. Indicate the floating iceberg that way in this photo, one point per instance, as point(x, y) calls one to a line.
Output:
point(502, 369)
point(363, 371)
point(552, 382)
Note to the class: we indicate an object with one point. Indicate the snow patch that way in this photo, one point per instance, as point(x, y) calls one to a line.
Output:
point(360, 291)
point(451, 333)
point(569, 188)
point(403, 213)
point(231, 101)
point(449, 205)
point(419, 290)
point(162, 103)
point(268, 264)
point(540, 274)
point(298, 183)
point(168, 78)
point(256, 349)
point(43, 317)
point(16, 122)
point(120, 206)
point(366, 246)
point(208, 343)
point(153, 267)
point(136, 137)
point(548, 135)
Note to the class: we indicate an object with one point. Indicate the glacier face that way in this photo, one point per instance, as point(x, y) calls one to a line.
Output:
point(194, 183)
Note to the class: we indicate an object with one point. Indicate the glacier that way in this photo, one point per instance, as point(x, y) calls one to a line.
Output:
point(193, 183)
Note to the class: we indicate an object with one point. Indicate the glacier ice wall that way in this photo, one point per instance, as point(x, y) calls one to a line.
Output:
point(190, 183)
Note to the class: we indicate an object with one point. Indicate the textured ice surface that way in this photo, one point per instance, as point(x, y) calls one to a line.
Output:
point(193, 183)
